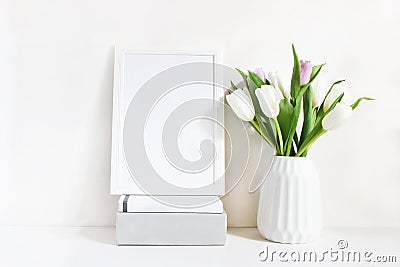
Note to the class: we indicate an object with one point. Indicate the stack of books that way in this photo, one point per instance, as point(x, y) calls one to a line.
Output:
point(147, 220)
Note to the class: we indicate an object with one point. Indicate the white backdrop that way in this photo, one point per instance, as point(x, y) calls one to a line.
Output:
point(56, 72)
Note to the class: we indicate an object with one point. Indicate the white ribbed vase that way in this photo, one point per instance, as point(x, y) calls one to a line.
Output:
point(289, 208)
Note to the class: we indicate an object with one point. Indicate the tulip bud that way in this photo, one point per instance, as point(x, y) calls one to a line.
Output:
point(336, 91)
point(278, 82)
point(269, 99)
point(337, 116)
point(319, 90)
point(260, 73)
point(305, 71)
point(241, 104)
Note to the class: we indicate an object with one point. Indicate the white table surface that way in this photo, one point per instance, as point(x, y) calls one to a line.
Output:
point(95, 246)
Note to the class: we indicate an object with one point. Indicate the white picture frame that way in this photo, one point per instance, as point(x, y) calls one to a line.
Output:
point(123, 62)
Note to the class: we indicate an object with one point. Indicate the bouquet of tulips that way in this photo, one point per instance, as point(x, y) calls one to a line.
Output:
point(272, 106)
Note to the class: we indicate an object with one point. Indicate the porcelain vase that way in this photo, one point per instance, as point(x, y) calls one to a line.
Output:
point(289, 208)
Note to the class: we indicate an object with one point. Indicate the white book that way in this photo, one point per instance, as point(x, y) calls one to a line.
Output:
point(174, 204)
point(170, 228)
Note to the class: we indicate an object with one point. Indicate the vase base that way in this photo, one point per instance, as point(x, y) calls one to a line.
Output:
point(288, 238)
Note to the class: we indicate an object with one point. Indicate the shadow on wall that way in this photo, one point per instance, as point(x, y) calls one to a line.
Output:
point(241, 206)
point(100, 207)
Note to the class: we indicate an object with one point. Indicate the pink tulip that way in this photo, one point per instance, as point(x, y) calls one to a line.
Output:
point(305, 71)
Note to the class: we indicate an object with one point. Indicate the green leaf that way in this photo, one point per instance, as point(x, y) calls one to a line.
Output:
point(301, 92)
point(355, 104)
point(285, 117)
point(323, 114)
point(296, 139)
point(244, 76)
point(329, 91)
point(292, 151)
point(320, 111)
point(256, 126)
point(315, 71)
point(308, 114)
point(293, 125)
point(261, 124)
point(292, 130)
point(257, 80)
point(295, 84)
point(271, 129)
point(252, 90)
point(316, 132)
point(337, 100)
point(233, 86)
point(296, 95)
point(267, 130)
point(264, 131)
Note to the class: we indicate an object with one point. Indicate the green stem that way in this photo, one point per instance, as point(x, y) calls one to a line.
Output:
point(278, 129)
point(257, 128)
point(292, 130)
point(306, 145)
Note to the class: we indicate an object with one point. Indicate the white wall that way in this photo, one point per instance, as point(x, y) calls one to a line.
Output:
point(56, 67)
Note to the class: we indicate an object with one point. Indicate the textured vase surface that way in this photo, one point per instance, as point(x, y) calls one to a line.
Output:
point(289, 208)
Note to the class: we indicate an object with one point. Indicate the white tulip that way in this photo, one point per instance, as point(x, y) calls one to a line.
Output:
point(269, 98)
point(337, 90)
point(277, 81)
point(319, 90)
point(241, 104)
point(337, 116)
